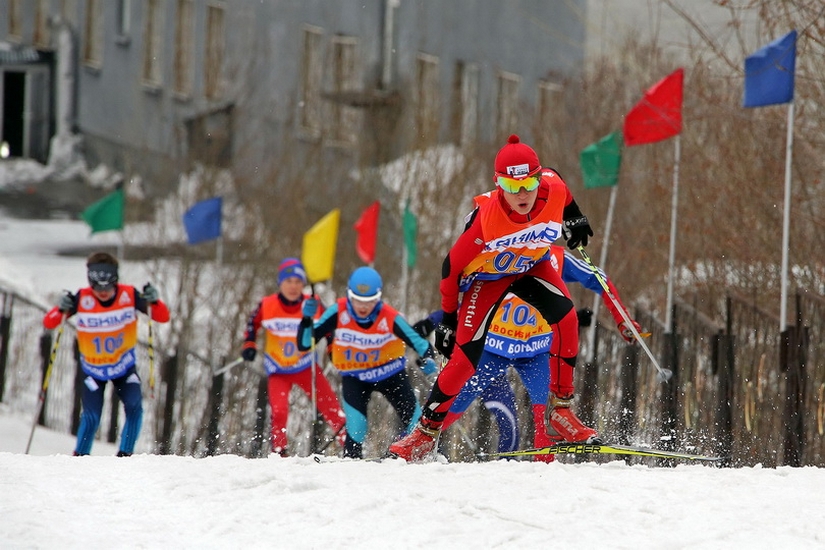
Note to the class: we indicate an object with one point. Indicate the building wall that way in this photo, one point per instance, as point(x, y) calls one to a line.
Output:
point(610, 22)
point(128, 122)
point(533, 39)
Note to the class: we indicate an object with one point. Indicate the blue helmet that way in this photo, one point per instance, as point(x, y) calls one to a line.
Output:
point(365, 285)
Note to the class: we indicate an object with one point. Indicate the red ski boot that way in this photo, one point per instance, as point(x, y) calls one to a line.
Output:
point(419, 443)
point(541, 438)
point(566, 426)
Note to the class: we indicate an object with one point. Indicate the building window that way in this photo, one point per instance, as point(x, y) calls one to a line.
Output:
point(183, 48)
point(15, 23)
point(343, 119)
point(507, 104)
point(214, 51)
point(309, 106)
point(549, 110)
point(68, 11)
point(42, 36)
point(209, 137)
point(124, 19)
point(426, 100)
point(93, 34)
point(465, 104)
point(152, 44)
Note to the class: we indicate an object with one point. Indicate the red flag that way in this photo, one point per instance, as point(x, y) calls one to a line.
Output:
point(367, 228)
point(658, 115)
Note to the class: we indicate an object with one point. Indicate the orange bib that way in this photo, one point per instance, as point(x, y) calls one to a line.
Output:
point(371, 354)
point(280, 350)
point(510, 247)
point(106, 336)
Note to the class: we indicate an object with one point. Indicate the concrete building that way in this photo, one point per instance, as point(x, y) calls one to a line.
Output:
point(151, 86)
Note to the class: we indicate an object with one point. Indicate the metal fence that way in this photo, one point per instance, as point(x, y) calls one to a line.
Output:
point(740, 389)
point(190, 412)
point(25, 348)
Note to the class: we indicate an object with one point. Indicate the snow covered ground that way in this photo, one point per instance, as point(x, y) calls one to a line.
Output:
point(49, 499)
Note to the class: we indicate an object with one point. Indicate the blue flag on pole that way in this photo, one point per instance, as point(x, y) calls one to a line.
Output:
point(203, 220)
point(769, 73)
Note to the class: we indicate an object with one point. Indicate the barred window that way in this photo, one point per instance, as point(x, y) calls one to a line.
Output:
point(549, 111)
point(42, 36)
point(124, 18)
point(214, 52)
point(343, 118)
point(465, 104)
point(507, 104)
point(309, 106)
point(183, 48)
point(15, 22)
point(93, 34)
point(153, 44)
point(427, 116)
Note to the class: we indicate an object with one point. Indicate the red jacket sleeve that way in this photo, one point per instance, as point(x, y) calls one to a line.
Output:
point(466, 248)
point(160, 312)
point(52, 318)
point(611, 307)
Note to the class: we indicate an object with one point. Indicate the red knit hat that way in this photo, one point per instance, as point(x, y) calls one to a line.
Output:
point(517, 160)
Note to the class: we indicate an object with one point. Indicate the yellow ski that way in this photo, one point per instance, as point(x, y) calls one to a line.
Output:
point(601, 449)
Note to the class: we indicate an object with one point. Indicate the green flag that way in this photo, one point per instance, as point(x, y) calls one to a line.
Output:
point(106, 214)
point(600, 161)
point(410, 234)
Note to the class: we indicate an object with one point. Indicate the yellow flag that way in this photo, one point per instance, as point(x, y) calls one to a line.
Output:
point(318, 255)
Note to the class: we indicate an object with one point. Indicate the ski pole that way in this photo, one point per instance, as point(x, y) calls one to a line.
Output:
point(42, 398)
point(465, 435)
point(663, 374)
point(328, 443)
point(228, 366)
point(151, 354)
point(314, 394)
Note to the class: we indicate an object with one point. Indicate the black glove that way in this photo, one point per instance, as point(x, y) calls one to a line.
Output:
point(249, 354)
point(576, 227)
point(445, 334)
point(424, 327)
point(576, 231)
point(67, 303)
point(585, 316)
point(150, 293)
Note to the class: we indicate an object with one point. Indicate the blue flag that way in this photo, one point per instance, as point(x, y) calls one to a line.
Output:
point(769, 73)
point(203, 220)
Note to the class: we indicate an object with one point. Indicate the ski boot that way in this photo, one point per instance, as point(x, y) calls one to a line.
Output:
point(564, 425)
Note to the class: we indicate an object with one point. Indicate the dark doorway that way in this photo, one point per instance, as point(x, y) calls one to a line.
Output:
point(14, 92)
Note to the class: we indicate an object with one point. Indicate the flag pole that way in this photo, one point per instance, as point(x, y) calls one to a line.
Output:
point(405, 268)
point(597, 300)
point(405, 276)
point(786, 221)
point(672, 253)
